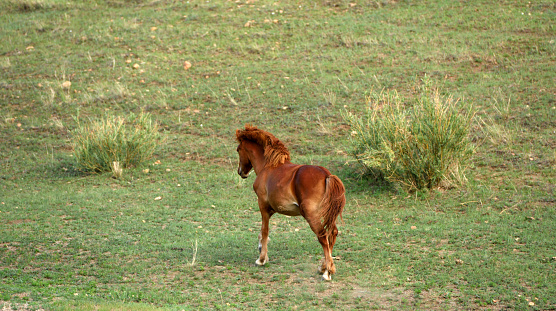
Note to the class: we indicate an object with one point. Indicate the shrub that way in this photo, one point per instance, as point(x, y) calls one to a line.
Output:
point(114, 143)
point(425, 145)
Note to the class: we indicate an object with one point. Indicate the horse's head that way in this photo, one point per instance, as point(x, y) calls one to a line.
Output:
point(245, 165)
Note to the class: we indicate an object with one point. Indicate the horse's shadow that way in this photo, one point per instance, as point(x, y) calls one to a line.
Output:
point(240, 249)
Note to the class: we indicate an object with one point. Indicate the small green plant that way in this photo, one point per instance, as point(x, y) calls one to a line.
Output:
point(115, 143)
point(422, 146)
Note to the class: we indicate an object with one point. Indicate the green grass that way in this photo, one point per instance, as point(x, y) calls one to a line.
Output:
point(71, 240)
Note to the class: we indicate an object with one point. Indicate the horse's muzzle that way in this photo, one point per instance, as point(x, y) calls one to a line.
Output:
point(240, 173)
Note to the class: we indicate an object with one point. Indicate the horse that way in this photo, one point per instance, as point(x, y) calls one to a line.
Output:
point(296, 190)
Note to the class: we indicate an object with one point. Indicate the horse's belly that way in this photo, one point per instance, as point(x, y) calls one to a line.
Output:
point(291, 209)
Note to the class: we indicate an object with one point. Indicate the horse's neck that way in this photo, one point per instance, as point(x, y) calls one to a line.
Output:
point(257, 159)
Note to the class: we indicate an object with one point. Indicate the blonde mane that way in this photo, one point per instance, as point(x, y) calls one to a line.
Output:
point(275, 152)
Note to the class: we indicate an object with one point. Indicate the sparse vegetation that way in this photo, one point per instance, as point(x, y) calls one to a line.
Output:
point(202, 69)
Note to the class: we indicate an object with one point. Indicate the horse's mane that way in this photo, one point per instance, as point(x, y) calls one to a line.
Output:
point(275, 152)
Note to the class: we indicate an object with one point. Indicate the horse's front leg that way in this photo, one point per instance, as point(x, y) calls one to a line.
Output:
point(266, 213)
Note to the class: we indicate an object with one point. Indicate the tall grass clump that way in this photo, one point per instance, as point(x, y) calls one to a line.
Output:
point(115, 143)
point(419, 143)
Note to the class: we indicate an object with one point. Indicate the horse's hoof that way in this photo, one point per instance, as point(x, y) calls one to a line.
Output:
point(259, 263)
point(327, 276)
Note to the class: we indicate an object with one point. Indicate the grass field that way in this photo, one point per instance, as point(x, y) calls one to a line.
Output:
point(183, 235)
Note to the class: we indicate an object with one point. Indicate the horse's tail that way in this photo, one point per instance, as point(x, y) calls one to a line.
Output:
point(333, 203)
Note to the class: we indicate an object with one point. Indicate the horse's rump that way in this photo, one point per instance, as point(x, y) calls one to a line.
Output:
point(312, 181)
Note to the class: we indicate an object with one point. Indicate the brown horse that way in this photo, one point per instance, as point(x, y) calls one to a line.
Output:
point(291, 189)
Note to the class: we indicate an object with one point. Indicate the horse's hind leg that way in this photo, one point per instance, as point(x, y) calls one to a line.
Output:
point(332, 234)
point(327, 268)
point(331, 237)
point(263, 236)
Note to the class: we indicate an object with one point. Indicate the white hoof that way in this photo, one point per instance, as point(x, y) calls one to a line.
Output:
point(259, 263)
point(326, 276)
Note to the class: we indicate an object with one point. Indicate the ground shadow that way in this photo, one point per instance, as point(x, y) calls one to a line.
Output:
point(358, 180)
point(64, 168)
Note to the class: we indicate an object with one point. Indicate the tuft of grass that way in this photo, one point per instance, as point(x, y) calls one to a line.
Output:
point(26, 5)
point(423, 146)
point(114, 143)
point(112, 93)
point(497, 134)
point(5, 63)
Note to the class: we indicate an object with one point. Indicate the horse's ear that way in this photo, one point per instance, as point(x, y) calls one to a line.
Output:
point(238, 133)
